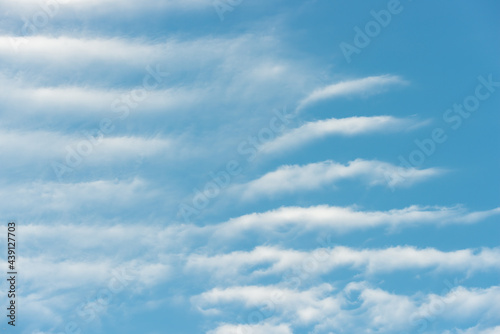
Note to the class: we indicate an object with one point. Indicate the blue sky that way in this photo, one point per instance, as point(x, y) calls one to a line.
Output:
point(248, 167)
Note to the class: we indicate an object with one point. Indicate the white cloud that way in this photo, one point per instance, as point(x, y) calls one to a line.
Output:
point(305, 306)
point(66, 50)
point(52, 287)
point(39, 272)
point(56, 8)
point(67, 241)
point(460, 305)
point(475, 330)
point(252, 329)
point(272, 260)
point(124, 240)
point(343, 127)
point(320, 306)
point(358, 307)
point(293, 178)
point(379, 310)
point(236, 61)
point(22, 147)
point(44, 310)
point(72, 198)
point(183, 237)
point(364, 86)
point(76, 102)
point(344, 219)
point(92, 235)
point(65, 77)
